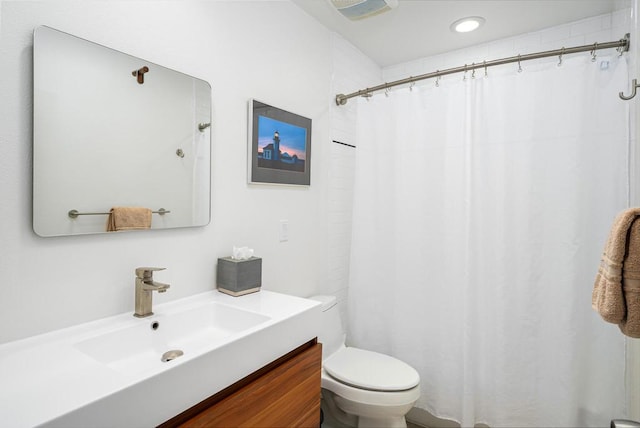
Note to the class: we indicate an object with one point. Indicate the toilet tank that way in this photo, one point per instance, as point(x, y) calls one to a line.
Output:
point(331, 333)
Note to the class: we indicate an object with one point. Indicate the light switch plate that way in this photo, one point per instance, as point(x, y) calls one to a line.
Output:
point(284, 230)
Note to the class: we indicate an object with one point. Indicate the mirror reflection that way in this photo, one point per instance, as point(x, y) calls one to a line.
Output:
point(113, 132)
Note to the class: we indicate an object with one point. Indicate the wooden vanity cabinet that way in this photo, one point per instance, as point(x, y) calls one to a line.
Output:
point(284, 393)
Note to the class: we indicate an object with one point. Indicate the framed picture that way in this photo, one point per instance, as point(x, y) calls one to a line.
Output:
point(279, 146)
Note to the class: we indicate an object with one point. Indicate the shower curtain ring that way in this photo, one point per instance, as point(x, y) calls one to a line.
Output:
point(386, 92)
point(412, 84)
point(438, 79)
point(519, 64)
point(473, 72)
point(593, 52)
point(464, 78)
point(485, 68)
point(560, 57)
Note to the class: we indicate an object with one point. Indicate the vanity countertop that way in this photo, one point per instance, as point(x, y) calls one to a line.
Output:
point(56, 379)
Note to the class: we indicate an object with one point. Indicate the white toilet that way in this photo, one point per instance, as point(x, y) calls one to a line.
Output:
point(362, 388)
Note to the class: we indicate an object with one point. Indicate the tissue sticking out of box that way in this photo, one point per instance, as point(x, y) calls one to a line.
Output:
point(242, 253)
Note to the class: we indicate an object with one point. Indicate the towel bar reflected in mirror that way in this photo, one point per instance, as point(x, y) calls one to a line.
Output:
point(75, 213)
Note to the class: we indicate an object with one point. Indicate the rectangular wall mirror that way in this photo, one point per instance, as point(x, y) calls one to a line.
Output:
point(113, 130)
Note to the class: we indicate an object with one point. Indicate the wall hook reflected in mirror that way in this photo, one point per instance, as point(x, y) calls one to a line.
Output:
point(180, 153)
point(139, 74)
point(203, 126)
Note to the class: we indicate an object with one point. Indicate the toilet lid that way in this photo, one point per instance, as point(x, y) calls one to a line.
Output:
point(371, 370)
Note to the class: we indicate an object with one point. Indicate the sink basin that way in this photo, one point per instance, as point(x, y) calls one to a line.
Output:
point(139, 348)
point(109, 372)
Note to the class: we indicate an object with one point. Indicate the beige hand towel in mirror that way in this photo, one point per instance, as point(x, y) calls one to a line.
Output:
point(129, 218)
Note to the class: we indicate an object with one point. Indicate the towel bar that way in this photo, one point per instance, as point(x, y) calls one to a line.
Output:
point(75, 213)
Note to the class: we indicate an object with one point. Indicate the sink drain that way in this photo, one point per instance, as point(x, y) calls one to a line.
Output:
point(171, 355)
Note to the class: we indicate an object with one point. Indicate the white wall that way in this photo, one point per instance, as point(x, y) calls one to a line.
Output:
point(633, 345)
point(352, 70)
point(268, 50)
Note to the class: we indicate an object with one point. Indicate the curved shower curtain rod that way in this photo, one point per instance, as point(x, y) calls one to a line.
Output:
point(621, 45)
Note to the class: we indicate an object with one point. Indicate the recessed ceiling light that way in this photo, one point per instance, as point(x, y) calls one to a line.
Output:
point(467, 24)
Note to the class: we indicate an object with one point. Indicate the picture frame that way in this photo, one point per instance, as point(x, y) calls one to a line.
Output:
point(279, 146)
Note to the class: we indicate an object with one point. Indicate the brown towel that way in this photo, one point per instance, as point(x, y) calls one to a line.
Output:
point(630, 325)
point(616, 292)
point(128, 218)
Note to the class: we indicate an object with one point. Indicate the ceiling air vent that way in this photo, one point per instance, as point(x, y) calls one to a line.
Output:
point(360, 9)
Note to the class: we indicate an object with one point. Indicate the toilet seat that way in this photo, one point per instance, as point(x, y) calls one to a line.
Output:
point(365, 396)
point(371, 370)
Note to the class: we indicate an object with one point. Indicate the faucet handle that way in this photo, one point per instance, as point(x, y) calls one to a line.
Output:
point(147, 272)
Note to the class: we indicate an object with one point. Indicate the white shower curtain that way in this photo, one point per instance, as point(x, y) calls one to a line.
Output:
point(481, 210)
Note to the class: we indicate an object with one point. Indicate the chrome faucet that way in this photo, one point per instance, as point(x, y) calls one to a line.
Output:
point(145, 285)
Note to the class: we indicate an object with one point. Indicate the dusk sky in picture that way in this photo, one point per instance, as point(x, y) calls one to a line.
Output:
point(292, 138)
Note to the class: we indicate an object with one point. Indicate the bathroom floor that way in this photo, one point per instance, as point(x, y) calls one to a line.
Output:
point(335, 424)
point(329, 422)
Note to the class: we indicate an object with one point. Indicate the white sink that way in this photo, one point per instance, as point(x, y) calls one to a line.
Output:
point(109, 372)
point(140, 348)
